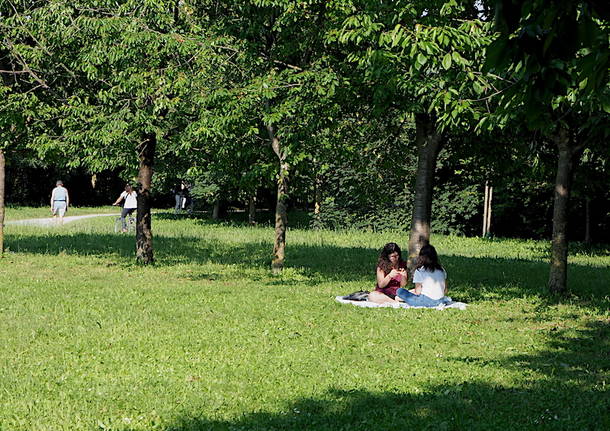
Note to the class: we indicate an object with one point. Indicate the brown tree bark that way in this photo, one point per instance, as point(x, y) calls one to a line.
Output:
point(568, 153)
point(2, 184)
point(317, 205)
point(281, 216)
point(252, 209)
point(144, 238)
point(216, 210)
point(429, 143)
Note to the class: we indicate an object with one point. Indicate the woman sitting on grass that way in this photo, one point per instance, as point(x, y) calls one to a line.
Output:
point(430, 281)
point(391, 274)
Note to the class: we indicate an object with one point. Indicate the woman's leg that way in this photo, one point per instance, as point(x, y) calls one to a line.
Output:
point(124, 213)
point(417, 300)
point(379, 298)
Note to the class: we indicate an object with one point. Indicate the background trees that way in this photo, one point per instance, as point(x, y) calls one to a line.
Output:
point(353, 109)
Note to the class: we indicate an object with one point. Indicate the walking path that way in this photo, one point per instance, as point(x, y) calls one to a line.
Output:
point(50, 221)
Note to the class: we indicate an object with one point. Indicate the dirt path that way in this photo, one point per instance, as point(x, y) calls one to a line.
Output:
point(52, 222)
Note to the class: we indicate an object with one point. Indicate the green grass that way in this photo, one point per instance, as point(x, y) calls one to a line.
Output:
point(208, 339)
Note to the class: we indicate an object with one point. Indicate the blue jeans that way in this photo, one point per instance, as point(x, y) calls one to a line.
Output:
point(417, 300)
point(178, 206)
point(124, 213)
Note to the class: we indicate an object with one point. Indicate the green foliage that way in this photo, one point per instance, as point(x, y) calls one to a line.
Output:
point(557, 58)
point(423, 57)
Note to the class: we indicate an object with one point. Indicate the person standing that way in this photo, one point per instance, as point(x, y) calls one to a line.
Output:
point(60, 199)
point(130, 203)
point(178, 194)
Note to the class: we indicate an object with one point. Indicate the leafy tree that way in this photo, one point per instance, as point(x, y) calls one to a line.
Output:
point(425, 59)
point(289, 80)
point(556, 55)
point(131, 73)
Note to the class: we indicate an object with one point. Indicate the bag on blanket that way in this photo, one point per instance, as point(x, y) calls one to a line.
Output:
point(361, 295)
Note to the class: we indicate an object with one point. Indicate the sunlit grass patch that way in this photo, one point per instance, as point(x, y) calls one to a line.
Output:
point(207, 338)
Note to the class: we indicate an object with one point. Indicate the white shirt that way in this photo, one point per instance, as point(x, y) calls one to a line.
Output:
point(131, 200)
point(432, 282)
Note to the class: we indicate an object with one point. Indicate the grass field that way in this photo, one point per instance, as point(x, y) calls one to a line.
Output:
point(207, 339)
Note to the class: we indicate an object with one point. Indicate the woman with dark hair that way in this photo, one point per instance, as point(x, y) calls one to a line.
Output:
point(430, 281)
point(391, 274)
point(130, 204)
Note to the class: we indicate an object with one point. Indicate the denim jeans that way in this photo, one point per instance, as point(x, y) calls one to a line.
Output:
point(178, 206)
point(124, 213)
point(417, 300)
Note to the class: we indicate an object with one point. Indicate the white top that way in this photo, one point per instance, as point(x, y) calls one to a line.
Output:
point(131, 200)
point(59, 193)
point(432, 282)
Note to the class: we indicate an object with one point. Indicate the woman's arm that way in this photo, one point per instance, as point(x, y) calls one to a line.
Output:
point(403, 278)
point(52, 197)
point(417, 289)
point(120, 198)
point(383, 280)
point(445, 293)
point(67, 199)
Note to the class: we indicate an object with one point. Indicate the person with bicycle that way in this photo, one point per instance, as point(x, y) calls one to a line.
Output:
point(130, 204)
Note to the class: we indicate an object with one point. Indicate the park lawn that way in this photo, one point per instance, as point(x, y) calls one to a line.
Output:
point(207, 339)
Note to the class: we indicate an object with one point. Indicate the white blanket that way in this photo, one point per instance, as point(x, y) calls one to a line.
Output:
point(367, 304)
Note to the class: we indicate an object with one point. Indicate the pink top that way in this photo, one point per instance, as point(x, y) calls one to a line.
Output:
point(394, 284)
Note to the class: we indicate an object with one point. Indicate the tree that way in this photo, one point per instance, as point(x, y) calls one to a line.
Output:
point(424, 58)
point(134, 70)
point(556, 54)
point(288, 81)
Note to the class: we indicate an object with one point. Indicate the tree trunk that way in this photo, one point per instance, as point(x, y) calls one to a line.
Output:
point(281, 217)
point(144, 237)
point(2, 183)
point(559, 248)
point(429, 143)
point(317, 194)
point(216, 210)
point(588, 220)
point(252, 209)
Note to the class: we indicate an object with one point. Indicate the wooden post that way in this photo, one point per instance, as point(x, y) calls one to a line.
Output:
point(486, 198)
point(489, 200)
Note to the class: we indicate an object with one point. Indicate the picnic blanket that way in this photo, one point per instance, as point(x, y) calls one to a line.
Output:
point(367, 304)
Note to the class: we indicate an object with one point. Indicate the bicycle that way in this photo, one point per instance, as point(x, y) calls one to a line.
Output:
point(131, 224)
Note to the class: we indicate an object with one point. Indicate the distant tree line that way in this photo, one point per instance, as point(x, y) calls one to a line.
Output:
point(409, 114)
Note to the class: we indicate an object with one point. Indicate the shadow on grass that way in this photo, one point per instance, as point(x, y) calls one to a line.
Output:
point(298, 219)
point(567, 390)
point(470, 279)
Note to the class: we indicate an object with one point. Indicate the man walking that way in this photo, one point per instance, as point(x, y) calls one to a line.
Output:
point(59, 201)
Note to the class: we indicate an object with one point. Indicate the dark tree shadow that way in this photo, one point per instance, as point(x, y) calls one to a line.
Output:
point(571, 394)
point(297, 219)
